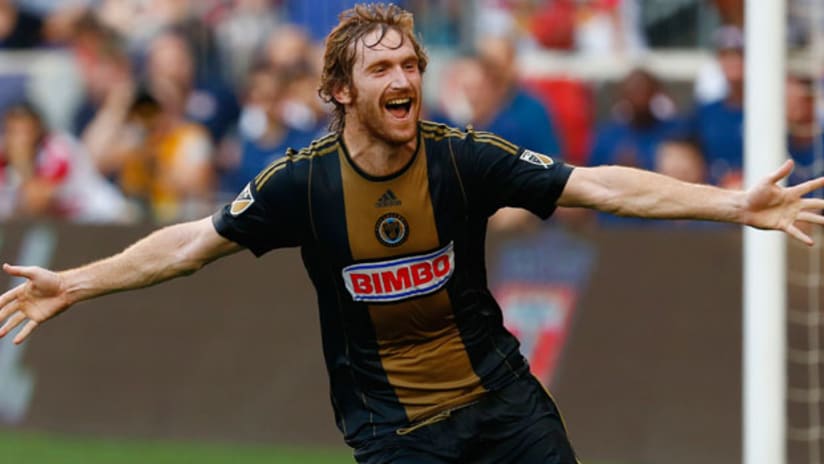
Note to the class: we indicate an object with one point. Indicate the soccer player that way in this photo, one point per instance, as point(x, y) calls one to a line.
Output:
point(390, 214)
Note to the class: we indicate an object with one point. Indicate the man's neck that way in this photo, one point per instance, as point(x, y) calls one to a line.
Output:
point(375, 156)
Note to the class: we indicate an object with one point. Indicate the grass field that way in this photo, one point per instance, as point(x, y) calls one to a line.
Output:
point(24, 448)
point(28, 448)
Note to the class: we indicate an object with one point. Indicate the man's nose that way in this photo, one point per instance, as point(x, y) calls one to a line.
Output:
point(399, 78)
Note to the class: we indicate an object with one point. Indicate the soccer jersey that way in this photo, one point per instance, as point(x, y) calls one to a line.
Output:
point(409, 327)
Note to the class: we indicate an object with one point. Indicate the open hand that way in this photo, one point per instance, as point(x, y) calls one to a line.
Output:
point(38, 299)
point(770, 206)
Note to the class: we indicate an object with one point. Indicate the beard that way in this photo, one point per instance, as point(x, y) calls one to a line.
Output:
point(379, 124)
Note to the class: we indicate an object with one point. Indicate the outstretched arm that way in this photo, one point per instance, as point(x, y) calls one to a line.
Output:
point(633, 192)
point(167, 253)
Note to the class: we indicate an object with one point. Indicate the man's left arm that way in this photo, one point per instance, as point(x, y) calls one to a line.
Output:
point(633, 192)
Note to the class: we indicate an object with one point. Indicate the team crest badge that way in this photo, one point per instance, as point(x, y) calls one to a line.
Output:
point(392, 229)
point(242, 202)
point(536, 158)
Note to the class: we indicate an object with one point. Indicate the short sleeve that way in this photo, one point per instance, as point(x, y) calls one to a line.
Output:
point(508, 175)
point(265, 215)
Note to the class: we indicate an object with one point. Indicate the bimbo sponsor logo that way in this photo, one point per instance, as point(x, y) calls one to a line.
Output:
point(402, 278)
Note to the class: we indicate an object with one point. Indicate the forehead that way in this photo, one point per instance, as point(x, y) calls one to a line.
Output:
point(379, 45)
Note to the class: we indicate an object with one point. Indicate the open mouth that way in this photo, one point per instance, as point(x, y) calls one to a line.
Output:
point(399, 107)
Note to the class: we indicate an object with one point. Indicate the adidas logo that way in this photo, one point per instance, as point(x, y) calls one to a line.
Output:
point(387, 199)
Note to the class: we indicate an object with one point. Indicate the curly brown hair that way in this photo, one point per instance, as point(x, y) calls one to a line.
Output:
point(341, 50)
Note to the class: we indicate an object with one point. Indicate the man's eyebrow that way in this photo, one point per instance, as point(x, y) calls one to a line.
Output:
point(378, 63)
point(388, 61)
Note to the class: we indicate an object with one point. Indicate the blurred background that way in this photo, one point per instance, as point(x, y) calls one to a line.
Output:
point(117, 116)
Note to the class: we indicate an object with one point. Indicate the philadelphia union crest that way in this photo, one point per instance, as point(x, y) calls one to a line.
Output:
point(391, 229)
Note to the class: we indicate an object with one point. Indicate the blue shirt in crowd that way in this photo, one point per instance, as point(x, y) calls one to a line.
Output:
point(719, 130)
point(523, 121)
point(526, 122)
point(620, 143)
point(805, 166)
point(254, 156)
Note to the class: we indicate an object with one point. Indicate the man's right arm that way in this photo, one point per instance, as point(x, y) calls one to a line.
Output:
point(167, 253)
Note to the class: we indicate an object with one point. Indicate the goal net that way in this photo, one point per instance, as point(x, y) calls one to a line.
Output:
point(805, 296)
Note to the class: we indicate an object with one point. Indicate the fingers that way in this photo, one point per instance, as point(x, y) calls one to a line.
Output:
point(20, 271)
point(15, 320)
point(25, 332)
point(797, 234)
point(8, 297)
point(9, 310)
point(812, 218)
point(812, 203)
point(808, 186)
point(781, 172)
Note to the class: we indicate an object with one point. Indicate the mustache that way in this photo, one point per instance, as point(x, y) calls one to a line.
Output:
point(391, 96)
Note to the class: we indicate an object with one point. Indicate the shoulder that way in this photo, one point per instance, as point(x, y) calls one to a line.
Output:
point(296, 162)
point(467, 142)
point(317, 149)
point(439, 131)
point(431, 129)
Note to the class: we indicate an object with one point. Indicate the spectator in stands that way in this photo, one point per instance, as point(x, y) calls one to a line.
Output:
point(642, 116)
point(289, 46)
point(520, 117)
point(170, 65)
point(105, 68)
point(805, 140)
point(129, 19)
point(143, 21)
point(463, 91)
point(263, 131)
point(484, 91)
point(303, 109)
point(241, 35)
point(49, 174)
point(19, 29)
point(681, 158)
point(718, 126)
point(165, 162)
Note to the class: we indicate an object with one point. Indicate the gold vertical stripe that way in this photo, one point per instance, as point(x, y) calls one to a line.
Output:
point(420, 346)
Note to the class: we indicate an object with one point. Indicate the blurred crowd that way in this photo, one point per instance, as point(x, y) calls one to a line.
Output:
point(183, 101)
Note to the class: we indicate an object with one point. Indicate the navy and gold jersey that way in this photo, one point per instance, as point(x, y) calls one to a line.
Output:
point(409, 327)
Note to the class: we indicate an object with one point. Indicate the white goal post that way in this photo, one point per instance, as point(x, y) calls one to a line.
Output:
point(765, 267)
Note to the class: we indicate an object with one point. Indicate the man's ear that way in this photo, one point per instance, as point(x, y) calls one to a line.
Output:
point(343, 95)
